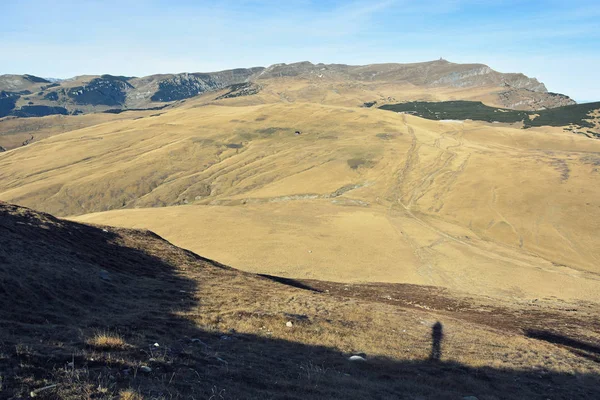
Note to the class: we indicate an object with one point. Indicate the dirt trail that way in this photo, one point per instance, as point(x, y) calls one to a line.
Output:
point(422, 184)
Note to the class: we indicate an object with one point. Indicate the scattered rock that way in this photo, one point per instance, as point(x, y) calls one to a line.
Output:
point(2, 149)
point(26, 142)
point(289, 324)
point(156, 345)
point(104, 275)
point(105, 230)
point(35, 392)
point(146, 369)
point(241, 89)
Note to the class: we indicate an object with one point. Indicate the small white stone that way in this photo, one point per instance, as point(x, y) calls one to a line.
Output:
point(357, 358)
point(145, 368)
point(156, 345)
point(289, 324)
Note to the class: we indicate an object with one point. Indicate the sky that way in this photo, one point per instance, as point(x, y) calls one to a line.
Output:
point(557, 42)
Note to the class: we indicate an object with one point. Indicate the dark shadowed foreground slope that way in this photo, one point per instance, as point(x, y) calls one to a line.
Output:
point(99, 312)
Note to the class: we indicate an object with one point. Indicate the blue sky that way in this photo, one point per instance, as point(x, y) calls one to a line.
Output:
point(557, 42)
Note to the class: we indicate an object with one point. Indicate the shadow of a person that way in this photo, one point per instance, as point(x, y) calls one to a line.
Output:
point(437, 335)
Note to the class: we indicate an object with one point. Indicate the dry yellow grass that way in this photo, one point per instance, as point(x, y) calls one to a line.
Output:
point(107, 341)
point(16, 130)
point(130, 394)
point(360, 195)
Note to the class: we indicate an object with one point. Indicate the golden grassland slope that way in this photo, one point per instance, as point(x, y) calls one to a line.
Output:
point(15, 131)
point(102, 312)
point(359, 195)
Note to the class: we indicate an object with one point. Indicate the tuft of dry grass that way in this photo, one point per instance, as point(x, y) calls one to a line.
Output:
point(130, 394)
point(107, 340)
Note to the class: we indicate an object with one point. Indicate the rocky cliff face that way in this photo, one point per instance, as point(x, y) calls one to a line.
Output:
point(107, 90)
point(27, 95)
point(183, 86)
point(526, 99)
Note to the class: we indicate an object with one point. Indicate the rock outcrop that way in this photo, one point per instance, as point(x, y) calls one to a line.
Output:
point(526, 99)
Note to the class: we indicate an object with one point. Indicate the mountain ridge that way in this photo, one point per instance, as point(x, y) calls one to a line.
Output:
point(98, 93)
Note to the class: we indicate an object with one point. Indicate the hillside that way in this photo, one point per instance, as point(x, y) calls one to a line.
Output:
point(359, 195)
point(105, 313)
